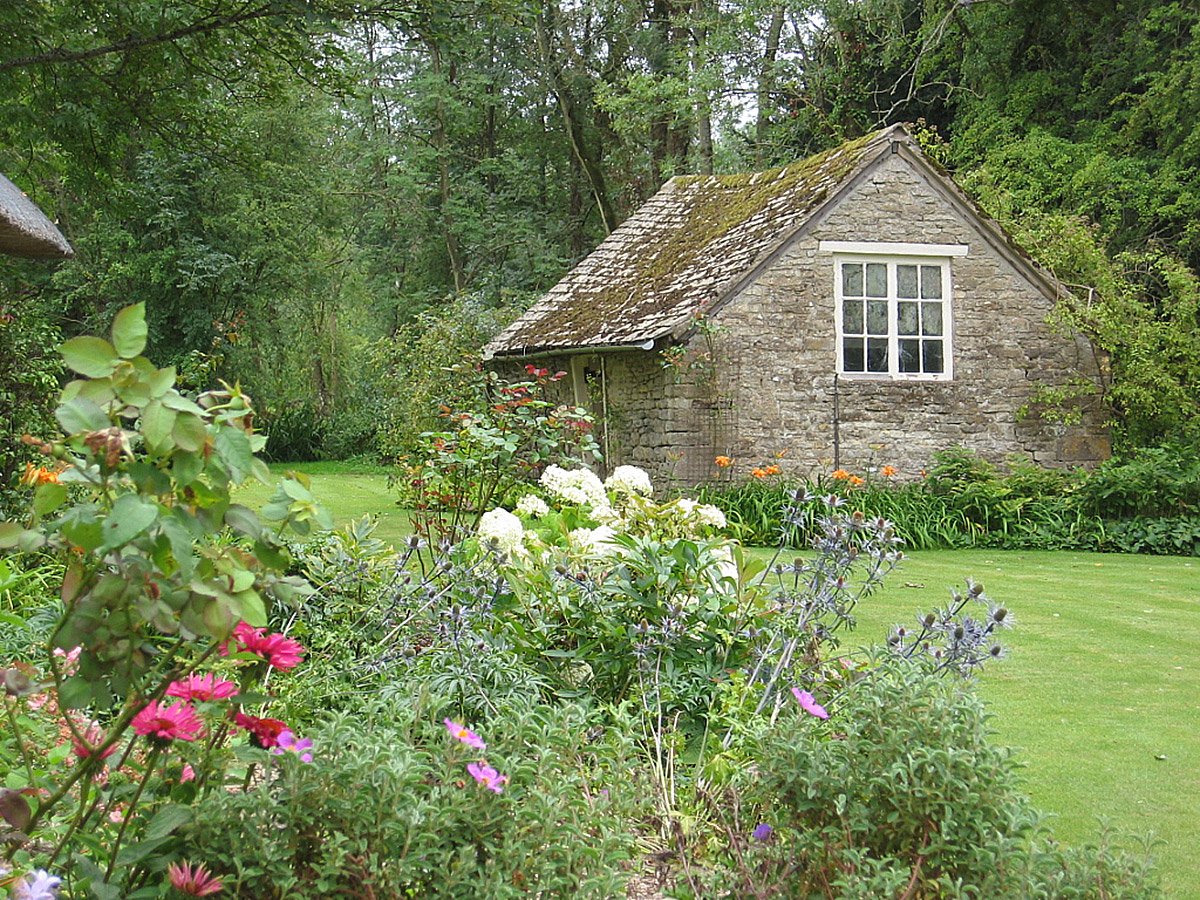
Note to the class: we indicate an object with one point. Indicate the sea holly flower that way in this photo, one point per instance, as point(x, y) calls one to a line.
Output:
point(287, 743)
point(177, 722)
point(464, 734)
point(195, 881)
point(37, 885)
point(808, 704)
point(280, 651)
point(203, 688)
point(487, 776)
point(263, 731)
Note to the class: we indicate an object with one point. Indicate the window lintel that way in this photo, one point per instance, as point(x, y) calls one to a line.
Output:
point(890, 248)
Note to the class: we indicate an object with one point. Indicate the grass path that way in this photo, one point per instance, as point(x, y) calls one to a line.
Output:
point(1100, 693)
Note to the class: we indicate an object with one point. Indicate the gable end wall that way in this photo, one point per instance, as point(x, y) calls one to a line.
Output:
point(778, 356)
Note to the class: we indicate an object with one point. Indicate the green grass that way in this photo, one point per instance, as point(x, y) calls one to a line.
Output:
point(1101, 681)
point(348, 490)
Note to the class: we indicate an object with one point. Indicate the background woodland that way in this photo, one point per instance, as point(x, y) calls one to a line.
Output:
point(332, 201)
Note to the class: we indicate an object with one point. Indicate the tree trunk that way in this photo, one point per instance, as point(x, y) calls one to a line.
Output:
point(766, 86)
point(573, 122)
point(453, 252)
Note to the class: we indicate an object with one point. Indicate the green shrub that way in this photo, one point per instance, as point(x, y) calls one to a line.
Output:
point(1151, 481)
point(390, 811)
point(900, 791)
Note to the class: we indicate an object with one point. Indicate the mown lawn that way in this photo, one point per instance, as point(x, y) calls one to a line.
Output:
point(1100, 692)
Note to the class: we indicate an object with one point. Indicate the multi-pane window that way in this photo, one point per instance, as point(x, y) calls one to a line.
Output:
point(893, 317)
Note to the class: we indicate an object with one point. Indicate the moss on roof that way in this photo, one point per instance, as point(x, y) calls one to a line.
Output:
point(681, 251)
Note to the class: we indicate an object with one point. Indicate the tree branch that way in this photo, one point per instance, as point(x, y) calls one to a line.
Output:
point(137, 41)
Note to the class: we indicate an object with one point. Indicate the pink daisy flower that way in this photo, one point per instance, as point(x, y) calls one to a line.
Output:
point(808, 704)
point(93, 737)
point(195, 881)
point(204, 688)
point(279, 651)
point(464, 734)
point(487, 776)
point(177, 722)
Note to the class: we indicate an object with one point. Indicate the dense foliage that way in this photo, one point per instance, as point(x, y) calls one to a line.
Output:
point(1147, 501)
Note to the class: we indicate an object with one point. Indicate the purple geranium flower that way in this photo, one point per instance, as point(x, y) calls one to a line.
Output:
point(287, 743)
point(808, 704)
point(762, 832)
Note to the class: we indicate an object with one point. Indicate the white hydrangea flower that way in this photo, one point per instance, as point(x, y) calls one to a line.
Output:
point(533, 506)
point(629, 480)
point(606, 515)
point(594, 541)
point(579, 487)
point(687, 506)
point(503, 530)
point(726, 565)
point(707, 514)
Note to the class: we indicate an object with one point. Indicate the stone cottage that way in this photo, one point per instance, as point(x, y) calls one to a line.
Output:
point(852, 310)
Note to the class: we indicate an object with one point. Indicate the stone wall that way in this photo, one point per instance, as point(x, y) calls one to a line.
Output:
point(777, 352)
point(645, 416)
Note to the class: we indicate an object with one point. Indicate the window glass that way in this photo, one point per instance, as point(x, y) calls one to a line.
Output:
point(852, 355)
point(910, 355)
point(852, 280)
point(931, 319)
point(877, 354)
point(906, 318)
point(931, 282)
point(877, 317)
point(877, 279)
point(932, 357)
point(906, 281)
point(852, 317)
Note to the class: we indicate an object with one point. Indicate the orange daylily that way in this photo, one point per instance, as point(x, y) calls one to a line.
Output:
point(723, 462)
point(856, 481)
point(840, 474)
point(39, 475)
point(888, 471)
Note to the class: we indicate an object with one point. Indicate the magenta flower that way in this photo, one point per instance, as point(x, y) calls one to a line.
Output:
point(287, 743)
point(177, 722)
point(279, 651)
point(808, 704)
point(203, 688)
point(464, 734)
point(195, 881)
point(487, 776)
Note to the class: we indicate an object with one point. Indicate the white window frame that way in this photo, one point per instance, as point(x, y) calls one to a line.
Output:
point(930, 255)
